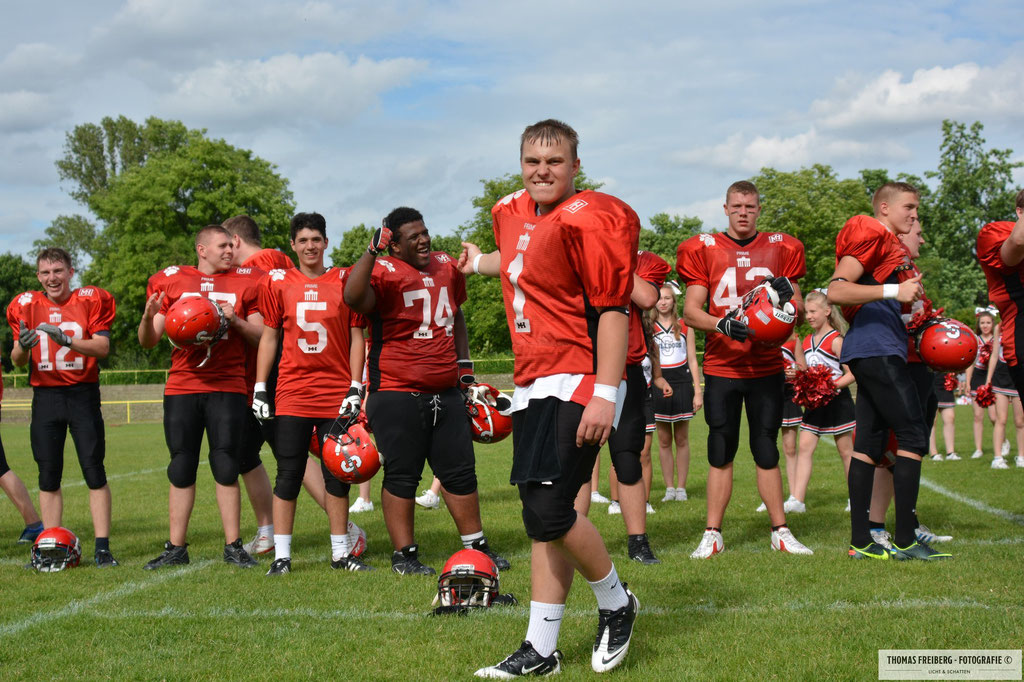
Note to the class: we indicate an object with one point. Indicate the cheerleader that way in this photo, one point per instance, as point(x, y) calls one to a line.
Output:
point(978, 372)
point(792, 414)
point(835, 419)
point(677, 352)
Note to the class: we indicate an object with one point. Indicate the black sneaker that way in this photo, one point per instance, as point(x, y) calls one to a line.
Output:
point(918, 550)
point(614, 630)
point(499, 561)
point(104, 559)
point(173, 555)
point(30, 533)
point(235, 554)
point(640, 549)
point(280, 567)
point(524, 661)
point(406, 562)
point(350, 563)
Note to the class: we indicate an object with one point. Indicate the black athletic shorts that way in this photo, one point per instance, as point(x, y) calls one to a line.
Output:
point(251, 443)
point(629, 435)
point(221, 416)
point(56, 410)
point(724, 400)
point(293, 438)
point(679, 406)
point(888, 398)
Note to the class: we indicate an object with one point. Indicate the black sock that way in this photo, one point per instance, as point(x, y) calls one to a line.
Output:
point(103, 544)
point(906, 480)
point(876, 525)
point(859, 482)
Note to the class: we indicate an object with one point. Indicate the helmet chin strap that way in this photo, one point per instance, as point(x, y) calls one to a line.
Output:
point(209, 350)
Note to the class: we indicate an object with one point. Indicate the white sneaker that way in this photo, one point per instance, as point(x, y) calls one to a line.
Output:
point(977, 454)
point(794, 506)
point(681, 494)
point(598, 498)
point(936, 457)
point(360, 505)
point(1019, 461)
point(927, 537)
point(1006, 448)
point(952, 457)
point(847, 510)
point(261, 544)
point(650, 509)
point(783, 541)
point(762, 508)
point(1000, 463)
point(427, 499)
point(670, 495)
point(882, 538)
point(613, 508)
point(710, 544)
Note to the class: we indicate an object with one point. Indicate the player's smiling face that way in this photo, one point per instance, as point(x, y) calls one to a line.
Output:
point(412, 244)
point(55, 276)
point(309, 245)
point(215, 253)
point(742, 210)
point(902, 212)
point(549, 171)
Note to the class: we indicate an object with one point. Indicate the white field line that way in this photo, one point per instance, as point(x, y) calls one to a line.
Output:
point(976, 504)
point(79, 605)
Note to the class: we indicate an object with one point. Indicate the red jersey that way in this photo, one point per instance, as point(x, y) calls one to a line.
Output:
point(313, 373)
point(412, 342)
point(87, 312)
point(557, 270)
point(875, 247)
point(1004, 283)
point(728, 270)
point(225, 371)
point(269, 259)
point(650, 268)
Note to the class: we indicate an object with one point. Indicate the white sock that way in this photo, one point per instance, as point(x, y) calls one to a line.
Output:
point(610, 593)
point(468, 540)
point(545, 620)
point(282, 546)
point(265, 531)
point(340, 546)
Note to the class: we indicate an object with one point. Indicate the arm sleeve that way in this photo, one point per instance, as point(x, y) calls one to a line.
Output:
point(269, 305)
point(102, 317)
point(796, 265)
point(690, 264)
point(652, 268)
point(601, 245)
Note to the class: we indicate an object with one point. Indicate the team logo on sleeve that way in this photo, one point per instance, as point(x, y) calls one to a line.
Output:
point(385, 263)
point(171, 271)
point(87, 291)
point(277, 275)
point(443, 258)
point(576, 206)
point(707, 239)
point(25, 298)
point(773, 238)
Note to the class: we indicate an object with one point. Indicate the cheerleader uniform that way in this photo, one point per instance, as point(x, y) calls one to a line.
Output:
point(980, 373)
point(837, 416)
point(649, 425)
point(945, 398)
point(1002, 382)
point(674, 367)
point(792, 414)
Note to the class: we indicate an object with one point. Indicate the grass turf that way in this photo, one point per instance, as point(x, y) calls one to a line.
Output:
point(749, 613)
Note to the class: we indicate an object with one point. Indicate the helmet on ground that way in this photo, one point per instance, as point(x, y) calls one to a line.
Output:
point(194, 320)
point(770, 324)
point(947, 345)
point(56, 549)
point(469, 578)
point(490, 413)
point(349, 453)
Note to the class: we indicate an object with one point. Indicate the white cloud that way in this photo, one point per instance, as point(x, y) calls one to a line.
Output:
point(22, 110)
point(35, 66)
point(290, 89)
point(708, 210)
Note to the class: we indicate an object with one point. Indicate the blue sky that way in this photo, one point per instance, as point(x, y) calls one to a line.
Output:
point(368, 105)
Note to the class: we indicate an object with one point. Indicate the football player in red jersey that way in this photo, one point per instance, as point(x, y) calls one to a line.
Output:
point(1001, 254)
point(321, 342)
point(419, 359)
point(719, 269)
point(874, 282)
point(61, 333)
point(248, 252)
point(205, 396)
point(566, 261)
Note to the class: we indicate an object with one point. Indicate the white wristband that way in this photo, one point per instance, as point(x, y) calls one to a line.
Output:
point(357, 384)
point(260, 386)
point(476, 262)
point(890, 290)
point(606, 392)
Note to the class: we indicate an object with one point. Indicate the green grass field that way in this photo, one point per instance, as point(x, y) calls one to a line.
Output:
point(749, 613)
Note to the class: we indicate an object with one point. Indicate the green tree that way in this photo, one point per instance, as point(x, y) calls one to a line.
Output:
point(75, 234)
point(16, 276)
point(666, 233)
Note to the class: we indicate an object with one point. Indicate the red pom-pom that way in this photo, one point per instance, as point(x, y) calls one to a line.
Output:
point(984, 353)
point(813, 387)
point(922, 317)
point(949, 382)
point(984, 396)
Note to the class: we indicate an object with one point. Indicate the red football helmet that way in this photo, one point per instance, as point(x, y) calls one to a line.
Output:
point(947, 345)
point(314, 444)
point(469, 578)
point(769, 323)
point(357, 536)
point(490, 413)
point(350, 454)
point(193, 321)
point(56, 549)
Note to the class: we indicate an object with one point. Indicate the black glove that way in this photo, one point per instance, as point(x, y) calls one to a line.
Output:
point(783, 287)
point(466, 376)
point(350, 405)
point(733, 328)
point(27, 338)
point(380, 240)
point(55, 333)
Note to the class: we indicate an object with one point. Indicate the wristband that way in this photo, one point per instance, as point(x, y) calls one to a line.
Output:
point(476, 263)
point(606, 392)
point(890, 290)
point(259, 386)
point(357, 384)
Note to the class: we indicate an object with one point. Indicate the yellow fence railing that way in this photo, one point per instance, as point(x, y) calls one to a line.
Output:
point(26, 406)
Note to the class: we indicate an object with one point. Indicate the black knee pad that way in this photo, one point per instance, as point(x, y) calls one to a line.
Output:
point(49, 480)
point(459, 482)
point(722, 449)
point(224, 468)
point(548, 512)
point(332, 485)
point(181, 472)
point(287, 486)
point(548, 530)
point(766, 453)
point(400, 486)
point(627, 466)
point(95, 477)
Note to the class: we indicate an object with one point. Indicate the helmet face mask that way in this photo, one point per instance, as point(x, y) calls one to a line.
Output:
point(469, 578)
point(55, 549)
point(490, 413)
point(770, 324)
